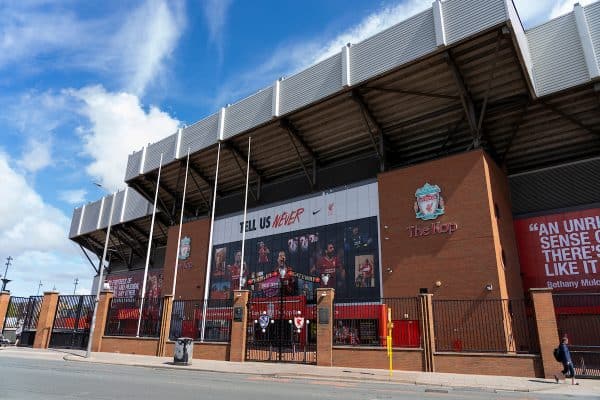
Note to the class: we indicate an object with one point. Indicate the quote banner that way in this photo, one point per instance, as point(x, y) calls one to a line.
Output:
point(560, 251)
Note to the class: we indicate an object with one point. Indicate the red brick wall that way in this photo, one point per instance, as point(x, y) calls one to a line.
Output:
point(356, 357)
point(204, 351)
point(486, 364)
point(506, 241)
point(192, 272)
point(142, 346)
point(465, 261)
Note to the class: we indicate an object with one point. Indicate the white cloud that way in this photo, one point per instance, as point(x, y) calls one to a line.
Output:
point(34, 234)
point(36, 155)
point(533, 13)
point(291, 58)
point(566, 6)
point(74, 197)
point(146, 41)
point(28, 32)
point(118, 126)
point(25, 220)
point(128, 47)
point(52, 269)
point(215, 14)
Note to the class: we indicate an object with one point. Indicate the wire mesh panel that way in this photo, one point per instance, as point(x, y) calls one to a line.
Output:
point(186, 320)
point(364, 323)
point(124, 317)
point(577, 317)
point(17, 308)
point(71, 327)
point(472, 325)
point(281, 329)
point(24, 312)
point(523, 337)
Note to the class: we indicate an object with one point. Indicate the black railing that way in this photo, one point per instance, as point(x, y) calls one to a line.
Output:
point(23, 312)
point(74, 313)
point(72, 321)
point(577, 317)
point(17, 310)
point(124, 317)
point(499, 326)
point(186, 320)
point(364, 323)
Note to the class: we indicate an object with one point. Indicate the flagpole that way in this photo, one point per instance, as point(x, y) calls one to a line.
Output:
point(245, 213)
point(149, 248)
point(187, 165)
point(100, 278)
point(210, 246)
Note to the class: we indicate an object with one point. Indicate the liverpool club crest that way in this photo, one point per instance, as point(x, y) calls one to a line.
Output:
point(429, 204)
point(185, 248)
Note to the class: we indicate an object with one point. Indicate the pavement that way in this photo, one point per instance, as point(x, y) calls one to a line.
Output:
point(434, 380)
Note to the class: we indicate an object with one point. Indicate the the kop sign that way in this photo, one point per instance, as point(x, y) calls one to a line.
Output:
point(429, 205)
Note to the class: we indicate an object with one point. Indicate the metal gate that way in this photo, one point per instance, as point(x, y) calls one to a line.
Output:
point(23, 311)
point(72, 322)
point(281, 329)
point(577, 318)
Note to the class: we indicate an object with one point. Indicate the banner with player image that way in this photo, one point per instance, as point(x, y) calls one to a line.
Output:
point(338, 251)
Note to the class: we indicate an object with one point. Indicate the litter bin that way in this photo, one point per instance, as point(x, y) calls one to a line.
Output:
point(184, 349)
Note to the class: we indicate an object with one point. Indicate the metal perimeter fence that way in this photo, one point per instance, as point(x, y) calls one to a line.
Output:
point(481, 326)
point(578, 318)
point(364, 322)
point(187, 316)
point(124, 317)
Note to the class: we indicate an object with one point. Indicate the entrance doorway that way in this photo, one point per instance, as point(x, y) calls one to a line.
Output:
point(281, 329)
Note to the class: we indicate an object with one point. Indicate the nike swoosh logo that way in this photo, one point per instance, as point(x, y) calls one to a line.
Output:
point(316, 212)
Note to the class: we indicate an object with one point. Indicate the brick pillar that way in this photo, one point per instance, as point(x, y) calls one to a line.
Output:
point(237, 350)
point(426, 313)
point(4, 302)
point(325, 298)
point(165, 324)
point(46, 320)
point(101, 318)
point(547, 329)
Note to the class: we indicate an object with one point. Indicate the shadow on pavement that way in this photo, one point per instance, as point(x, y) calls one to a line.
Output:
point(74, 352)
point(542, 381)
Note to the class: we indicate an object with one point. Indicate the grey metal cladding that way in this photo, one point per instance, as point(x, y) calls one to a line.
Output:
point(133, 165)
point(463, 18)
point(401, 43)
point(200, 135)
point(104, 218)
point(248, 113)
point(136, 206)
point(312, 84)
point(557, 55)
point(592, 15)
point(523, 44)
point(90, 219)
point(75, 222)
point(566, 192)
point(165, 146)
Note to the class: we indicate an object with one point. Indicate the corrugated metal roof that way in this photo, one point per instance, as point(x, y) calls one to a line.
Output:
point(412, 105)
point(556, 188)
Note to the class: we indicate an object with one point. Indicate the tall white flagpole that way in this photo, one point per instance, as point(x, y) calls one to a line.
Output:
point(149, 248)
point(100, 278)
point(210, 246)
point(245, 213)
point(187, 165)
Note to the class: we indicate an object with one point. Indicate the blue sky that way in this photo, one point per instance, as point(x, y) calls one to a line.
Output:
point(85, 83)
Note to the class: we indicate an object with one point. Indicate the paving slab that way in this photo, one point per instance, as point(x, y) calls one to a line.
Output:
point(433, 380)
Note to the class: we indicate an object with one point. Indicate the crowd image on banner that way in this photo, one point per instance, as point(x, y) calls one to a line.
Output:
point(342, 256)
